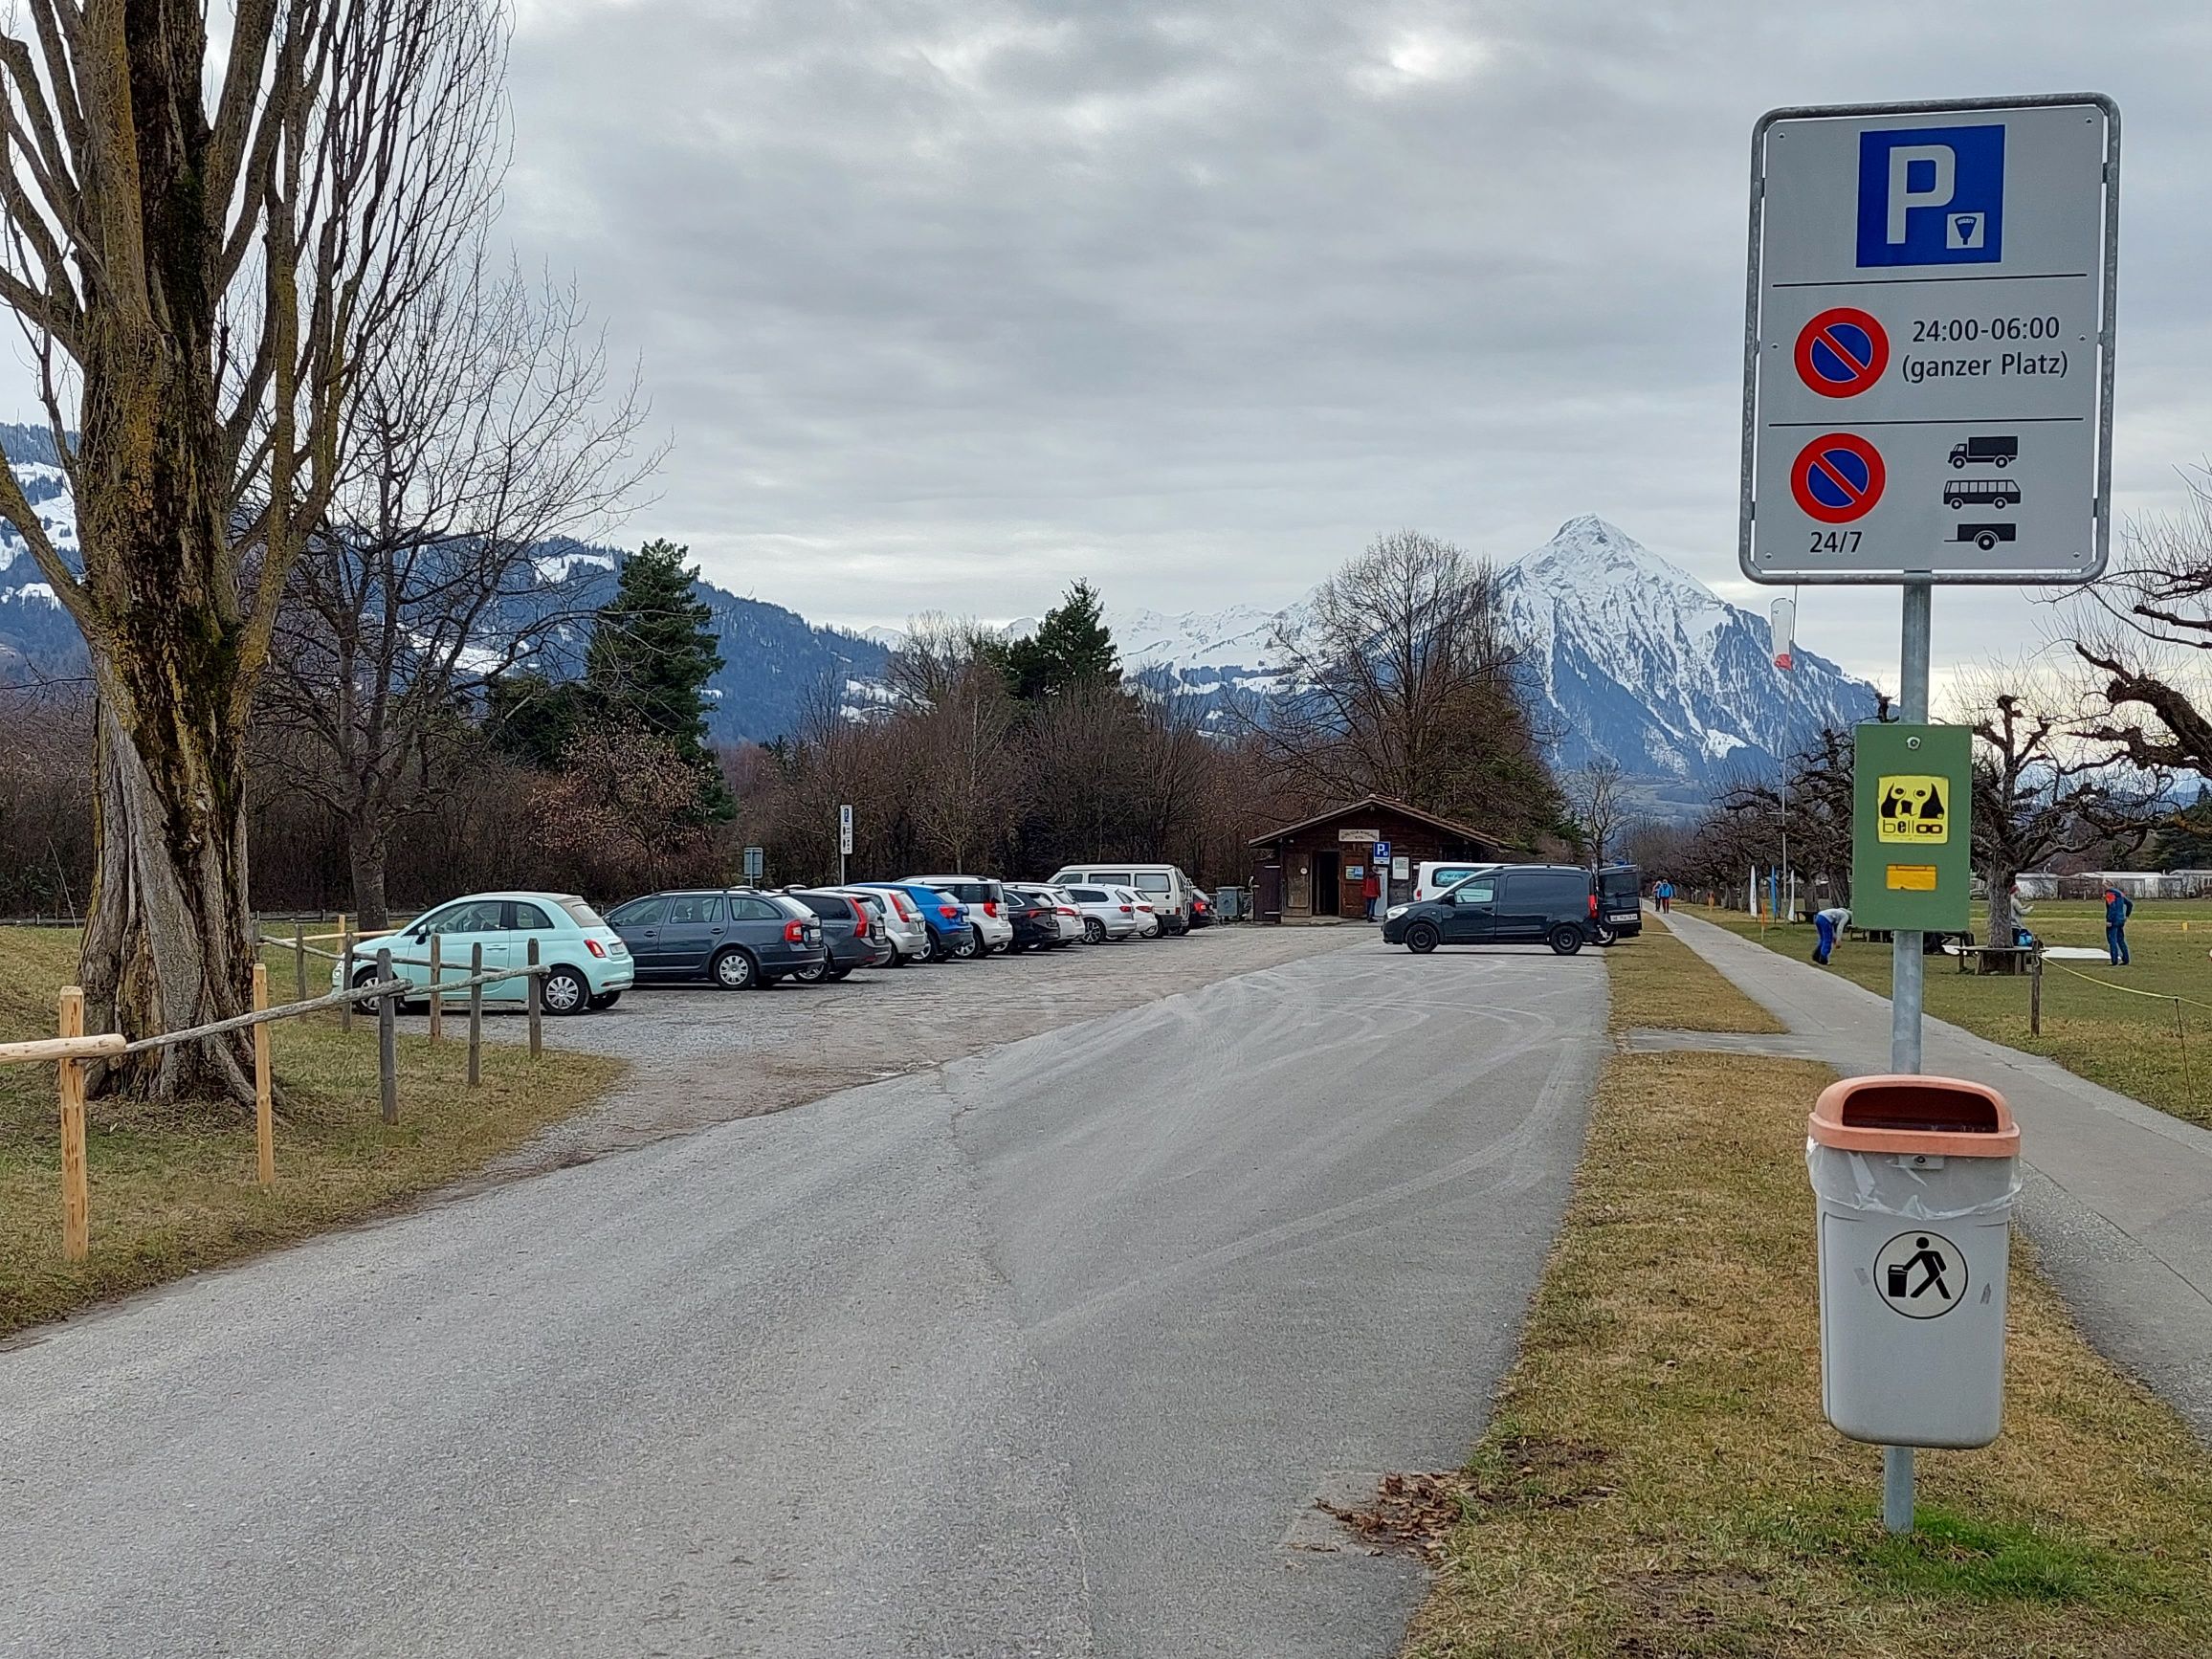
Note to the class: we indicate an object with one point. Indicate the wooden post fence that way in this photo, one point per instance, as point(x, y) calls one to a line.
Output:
point(386, 1042)
point(345, 973)
point(264, 1106)
point(299, 956)
point(537, 1004)
point(76, 1190)
point(476, 1015)
point(2035, 995)
point(437, 990)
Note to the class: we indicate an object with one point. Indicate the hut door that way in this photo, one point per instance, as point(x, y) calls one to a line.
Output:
point(1326, 899)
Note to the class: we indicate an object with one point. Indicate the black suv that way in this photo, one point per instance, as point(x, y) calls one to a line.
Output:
point(1554, 904)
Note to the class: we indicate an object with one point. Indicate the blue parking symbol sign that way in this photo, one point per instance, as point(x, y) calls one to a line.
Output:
point(1931, 195)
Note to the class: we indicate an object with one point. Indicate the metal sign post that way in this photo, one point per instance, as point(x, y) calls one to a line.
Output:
point(844, 840)
point(1927, 393)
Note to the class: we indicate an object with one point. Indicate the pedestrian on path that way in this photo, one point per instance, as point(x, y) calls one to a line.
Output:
point(1374, 892)
point(2119, 906)
point(1829, 924)
point(1662, 893)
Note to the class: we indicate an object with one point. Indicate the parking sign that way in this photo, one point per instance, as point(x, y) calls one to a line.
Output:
point(1929, 345)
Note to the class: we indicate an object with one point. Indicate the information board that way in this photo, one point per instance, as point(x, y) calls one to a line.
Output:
point(1929, 344)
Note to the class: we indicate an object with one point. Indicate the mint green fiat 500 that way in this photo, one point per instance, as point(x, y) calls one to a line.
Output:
point(588, 965)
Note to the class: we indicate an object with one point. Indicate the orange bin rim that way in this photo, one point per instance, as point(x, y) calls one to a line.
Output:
point(1901, 1111)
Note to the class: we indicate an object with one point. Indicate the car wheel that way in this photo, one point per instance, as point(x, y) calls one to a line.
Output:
point(1422, 938)
point(1094, 931)
point(1605, 933)
point(565, 992)
point(1567, 941)
point(813, 973)
point(1150, 930)
point(966, 948)
point(606, 1000)
point(735, 971)
point(837, 976)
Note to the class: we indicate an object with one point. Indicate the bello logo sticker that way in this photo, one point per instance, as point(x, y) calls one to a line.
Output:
point(1915, 809)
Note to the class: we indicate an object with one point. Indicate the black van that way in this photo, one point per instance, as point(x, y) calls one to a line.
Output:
point(1619, 903)
point(1554, 904)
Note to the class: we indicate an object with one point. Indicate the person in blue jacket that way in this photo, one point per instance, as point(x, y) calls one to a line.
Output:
point(2118, 906)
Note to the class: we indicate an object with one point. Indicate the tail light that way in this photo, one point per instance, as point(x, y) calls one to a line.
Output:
point(794, 933)
point(1593, 907)
point(992, 908)
point(1128, 909)
point(595, 947)
point(906, 909)
point(860, 914)
point(950, 912)
point(1067, 910)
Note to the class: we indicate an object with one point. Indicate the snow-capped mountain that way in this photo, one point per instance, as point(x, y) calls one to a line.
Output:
point(1635, 659)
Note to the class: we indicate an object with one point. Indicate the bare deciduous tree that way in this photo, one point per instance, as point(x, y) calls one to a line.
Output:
point(1599, 802)
point(207, 248)
point(484, 431)
point(1400, 681)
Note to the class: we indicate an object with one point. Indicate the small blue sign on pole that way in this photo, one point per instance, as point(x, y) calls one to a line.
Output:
point(1381, 852)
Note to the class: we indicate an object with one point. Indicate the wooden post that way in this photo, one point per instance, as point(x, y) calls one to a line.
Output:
point(75, 1192)
point(299, 956)
point(386, 1042)
point(2035, 994)
point(537, 1005)
point(437, 990)
point(264, 1108)
point(345, 972)
point(475, 1017)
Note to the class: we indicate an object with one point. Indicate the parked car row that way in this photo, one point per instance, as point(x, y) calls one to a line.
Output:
point(743, 937)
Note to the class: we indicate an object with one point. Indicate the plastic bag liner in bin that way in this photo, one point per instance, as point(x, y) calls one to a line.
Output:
point(1881, 1184)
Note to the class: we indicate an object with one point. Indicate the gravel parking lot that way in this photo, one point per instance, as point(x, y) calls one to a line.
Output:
point(705, 1057)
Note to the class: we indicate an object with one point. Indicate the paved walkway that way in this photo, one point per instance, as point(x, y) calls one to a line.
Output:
point(2118, 1195)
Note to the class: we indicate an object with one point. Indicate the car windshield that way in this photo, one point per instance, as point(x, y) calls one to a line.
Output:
point(584, 914)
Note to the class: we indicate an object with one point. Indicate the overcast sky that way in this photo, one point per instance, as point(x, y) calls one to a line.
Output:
point(945, 302)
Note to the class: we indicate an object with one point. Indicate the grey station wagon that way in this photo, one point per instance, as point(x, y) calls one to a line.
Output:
point(735, 937)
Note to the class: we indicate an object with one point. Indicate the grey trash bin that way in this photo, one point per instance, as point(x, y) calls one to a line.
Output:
point(1915, 1179)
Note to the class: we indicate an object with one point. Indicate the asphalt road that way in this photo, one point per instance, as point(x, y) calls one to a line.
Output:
point(1041, 1353)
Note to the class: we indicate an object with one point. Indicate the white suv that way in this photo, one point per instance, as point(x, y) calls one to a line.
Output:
point(1106, 913)
point(986, 900)
point(1162, 886)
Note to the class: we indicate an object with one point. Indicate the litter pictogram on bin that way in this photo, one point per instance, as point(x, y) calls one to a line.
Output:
point(1921, 1274)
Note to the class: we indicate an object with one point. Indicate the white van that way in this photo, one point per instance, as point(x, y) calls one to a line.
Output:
point(1432, 880)
point(1162, 886)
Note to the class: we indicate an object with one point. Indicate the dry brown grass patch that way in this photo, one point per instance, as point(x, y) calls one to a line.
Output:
point(1657, 981)
point(1696, 1502)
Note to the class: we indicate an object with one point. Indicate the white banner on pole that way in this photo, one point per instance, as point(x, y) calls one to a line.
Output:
point(1781, 630)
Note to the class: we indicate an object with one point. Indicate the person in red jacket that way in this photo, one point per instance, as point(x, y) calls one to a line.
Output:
point(1374, 892)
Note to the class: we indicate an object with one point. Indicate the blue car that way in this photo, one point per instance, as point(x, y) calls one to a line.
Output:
point(952, 936)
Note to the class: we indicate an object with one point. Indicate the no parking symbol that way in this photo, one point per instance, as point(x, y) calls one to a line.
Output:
point(1842, 352)
point(1837, 477)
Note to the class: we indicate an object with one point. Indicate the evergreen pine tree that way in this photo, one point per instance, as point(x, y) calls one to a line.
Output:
point(1072, 645)
point(653, 651)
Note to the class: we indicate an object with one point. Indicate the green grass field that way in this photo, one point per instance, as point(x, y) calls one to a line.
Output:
point(2093, 1023)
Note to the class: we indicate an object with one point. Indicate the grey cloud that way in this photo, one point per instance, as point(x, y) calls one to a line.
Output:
point(947, 303)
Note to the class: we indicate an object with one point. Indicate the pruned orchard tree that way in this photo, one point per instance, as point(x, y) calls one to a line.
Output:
point(2038, 792)
point(2144, 629)
point(484, 431)
point(1401, 679)
point(208, 245)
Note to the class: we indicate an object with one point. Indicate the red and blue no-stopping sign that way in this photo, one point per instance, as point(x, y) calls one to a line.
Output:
point(1838, 478)
point(1842, 352)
